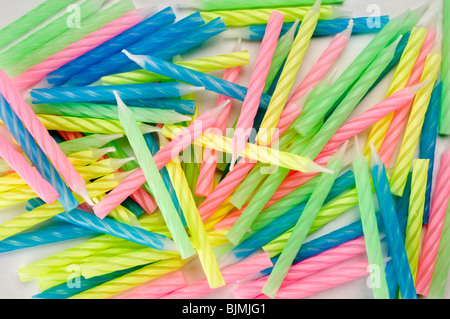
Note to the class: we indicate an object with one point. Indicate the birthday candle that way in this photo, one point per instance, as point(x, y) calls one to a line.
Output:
point(211, 157)
point(415, 213)
point(399, 81)
point(287, 77)
point(428, 142)
point(154, 180)
point(231, 274)
point(302, 226)
point(432, 235)
point(38, 71)
point(246, 17)
point(323, 104)
point(112, 46)
point(256, 86)
point(87, 142)
point(31, 19)
point(130, 280)
point(87, 125)
point(306, 268)
point(165, 44)
point(107, 112)
point(50, 31)
point(105, 93)
point(369, 221)
point(208, 64)
point(36, 155)
point(196, 228)
point(159, 287)
point(414, 125)
point(186, 75)
point(209, 5)
point(440, 272)
point(392, 228)
point(362, 25)
point(73, 35)
point(444, 122)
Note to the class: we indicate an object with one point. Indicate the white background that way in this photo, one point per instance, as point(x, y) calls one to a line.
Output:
point(10, 10)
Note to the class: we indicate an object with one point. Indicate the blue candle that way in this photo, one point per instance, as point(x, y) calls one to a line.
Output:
point(362, 25)
point(186, 75)
point(168, 42)
point(392, 228)
point(105, 94)
point(36, 155)
point(428, 142)
point(113, 46)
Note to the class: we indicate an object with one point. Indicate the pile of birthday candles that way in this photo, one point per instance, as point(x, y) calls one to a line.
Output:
point(103, 140)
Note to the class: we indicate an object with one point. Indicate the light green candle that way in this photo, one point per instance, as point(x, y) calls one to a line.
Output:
point(90, 24)
point(415, 213)
point(45, 34)
point(154, 180)
point(303, 225)
point(210, 5)
point(444, 117)
point(369, 222)
point(109, 112)
point(30, 20)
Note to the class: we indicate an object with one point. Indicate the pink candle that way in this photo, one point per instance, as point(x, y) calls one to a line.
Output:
point(322, 281)
point(289, 114)
point(210, 157)
point(256, 85)
point(433, 232)
point(37, 72)
point(231, 274)
point(27, 172)
point(162, 157)
point(43, 138)
point(306, 267)
point(158, 288)
point(401, 116)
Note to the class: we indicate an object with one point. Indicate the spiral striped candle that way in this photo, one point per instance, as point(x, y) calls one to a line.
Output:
point(211, 157)
point(369, 221)
point(174, 39)
point(433, 233)
point(197, 230)
point(154, 179)
point(414, 125)
point(231, 274)
point(415, 213)
point(306, 268)
point(323, 281)
point(158, 288)
point(208, 64)
point(112, 46)
point(392, 228)
point(36, 155)
point(362, 25)
point(89, 25)
point(400, 118)
point(428, 142)
point(48, 32)
point(256, 86)
point(245, 17)
point(105, 93)
point(399, 81)
point(130, 280)
point(287, 77)
point(38, 71)
point(440, 272)
point(444, 122)
point(303, 225)
point(43, 138)
point(320, 106)
point(31, 19)
point(209, 5)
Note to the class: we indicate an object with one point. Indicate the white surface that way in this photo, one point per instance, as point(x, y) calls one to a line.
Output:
point(12, 287)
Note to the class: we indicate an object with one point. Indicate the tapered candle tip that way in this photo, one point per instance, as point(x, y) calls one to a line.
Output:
point(291, 32)
point(402, 16)
point(120, 104)
point(316, 7)
point(238, 45)
point(144, 13)
point(340, 154)
point(374, 157)
point(415, 88)
point(348, 32)
point(136, 58)
point(110, 149)
point(419, 11)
